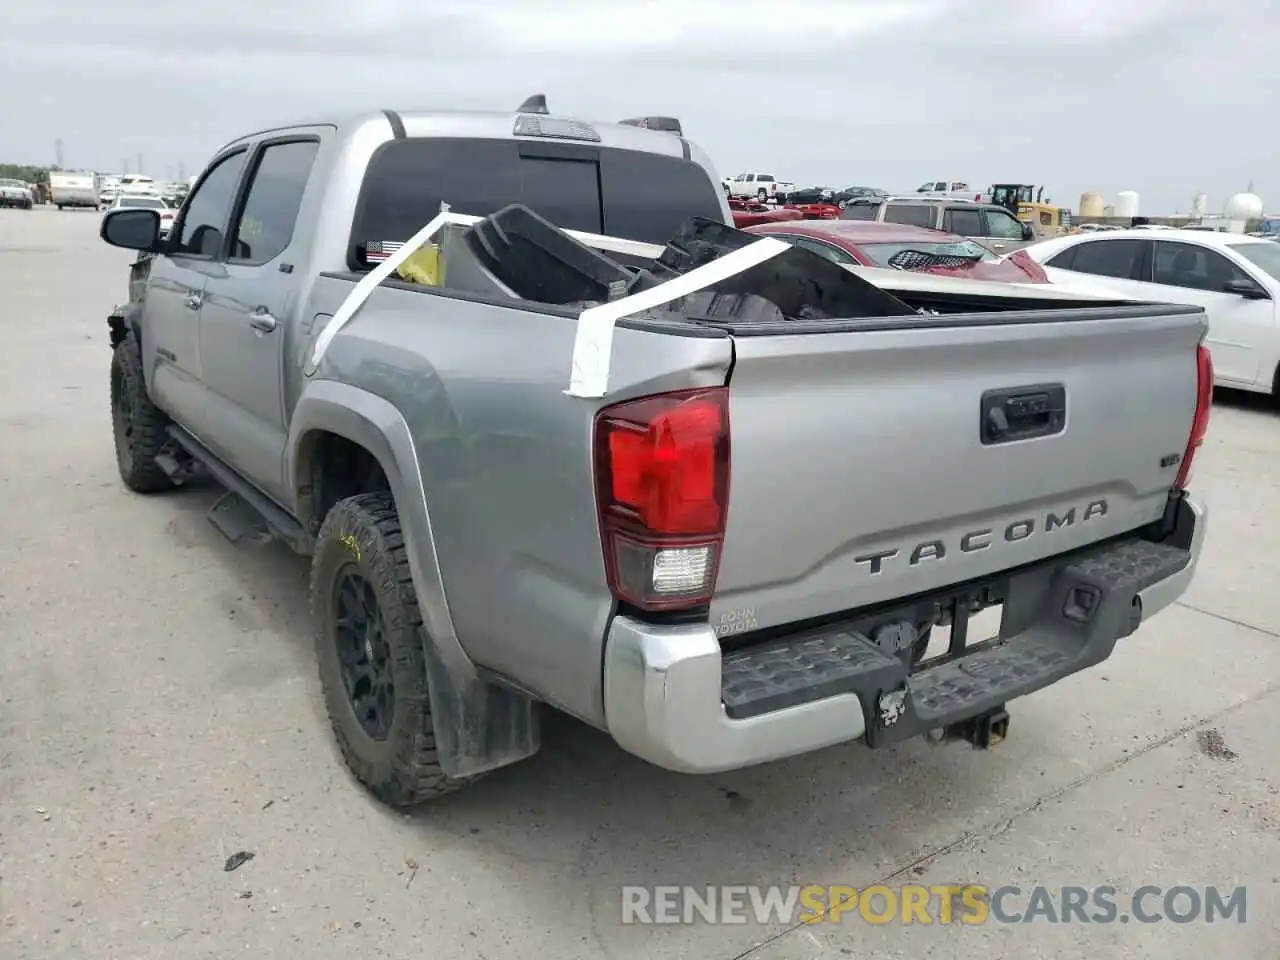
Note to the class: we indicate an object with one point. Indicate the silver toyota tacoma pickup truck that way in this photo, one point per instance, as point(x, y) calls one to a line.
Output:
point(710, 493)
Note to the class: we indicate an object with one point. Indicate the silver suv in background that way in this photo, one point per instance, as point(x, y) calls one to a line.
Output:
point(988, 223)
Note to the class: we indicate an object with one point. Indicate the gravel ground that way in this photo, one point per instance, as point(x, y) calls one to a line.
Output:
point(159, 712)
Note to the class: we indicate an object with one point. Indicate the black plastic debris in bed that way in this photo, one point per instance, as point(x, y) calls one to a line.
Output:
point(538, 261)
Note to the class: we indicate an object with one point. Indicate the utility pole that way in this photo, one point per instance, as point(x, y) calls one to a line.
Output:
point(124, 165)
point(139, 163)
point(182, 171)
point(57, 152)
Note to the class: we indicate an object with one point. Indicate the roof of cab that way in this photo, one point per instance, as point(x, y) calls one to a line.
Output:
point(497, 125)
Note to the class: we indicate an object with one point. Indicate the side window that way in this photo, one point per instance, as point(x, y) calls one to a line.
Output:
point(1108, 258)
point(208, 208)
point(860, 211)
point(767, 177)
point(966, 223)
point(1003, 226)
point(1192, 267)
point(916, 214)
point(275, 195)
point(1064, 260)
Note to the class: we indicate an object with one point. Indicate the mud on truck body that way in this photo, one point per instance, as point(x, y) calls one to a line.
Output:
point(705, 491)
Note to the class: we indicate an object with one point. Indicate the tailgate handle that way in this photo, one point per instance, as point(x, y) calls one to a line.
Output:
point(1023, 413)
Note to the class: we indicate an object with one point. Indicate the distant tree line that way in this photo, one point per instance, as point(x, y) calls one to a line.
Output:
point(22, 171)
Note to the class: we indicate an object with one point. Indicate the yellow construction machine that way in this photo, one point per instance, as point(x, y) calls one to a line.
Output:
point(1026, 202)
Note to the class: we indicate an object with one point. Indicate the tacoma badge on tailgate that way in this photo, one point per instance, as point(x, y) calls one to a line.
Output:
point(975, 540)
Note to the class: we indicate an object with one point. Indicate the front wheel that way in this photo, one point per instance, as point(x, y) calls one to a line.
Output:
point(138, 425)
point(370, 647)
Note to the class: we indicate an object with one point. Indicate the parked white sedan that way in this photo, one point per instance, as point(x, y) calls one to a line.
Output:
point(1234, 277)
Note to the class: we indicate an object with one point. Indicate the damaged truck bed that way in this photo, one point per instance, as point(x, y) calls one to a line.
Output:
point(704, 490)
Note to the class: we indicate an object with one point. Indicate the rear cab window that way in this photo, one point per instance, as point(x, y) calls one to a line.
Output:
point(623, 193)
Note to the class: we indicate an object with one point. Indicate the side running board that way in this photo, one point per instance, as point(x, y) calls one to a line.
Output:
point(243, 513)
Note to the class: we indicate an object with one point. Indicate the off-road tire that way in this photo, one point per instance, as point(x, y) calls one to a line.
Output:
point(403, 769)
point(138, 444)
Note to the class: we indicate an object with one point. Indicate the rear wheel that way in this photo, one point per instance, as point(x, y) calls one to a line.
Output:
point(138, 425)
point(762, 194)
point(370, 647)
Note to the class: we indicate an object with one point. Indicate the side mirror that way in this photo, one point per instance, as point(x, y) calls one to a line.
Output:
point(133, 229)
point(1028, 233)
point(1245, 288)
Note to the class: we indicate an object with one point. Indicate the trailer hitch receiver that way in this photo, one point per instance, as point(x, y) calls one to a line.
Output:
point(984, 731)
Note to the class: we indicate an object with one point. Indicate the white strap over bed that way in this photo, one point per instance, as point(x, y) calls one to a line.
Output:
point(370, 281)
point(589, 367)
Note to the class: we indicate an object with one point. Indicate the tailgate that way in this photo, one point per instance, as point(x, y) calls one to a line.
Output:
point(859, 472)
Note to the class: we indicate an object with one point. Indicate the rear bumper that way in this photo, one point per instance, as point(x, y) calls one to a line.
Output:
point(673, 698)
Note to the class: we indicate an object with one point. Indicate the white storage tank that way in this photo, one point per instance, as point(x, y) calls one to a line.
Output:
point(1244, 206)
point(1092, 205)
point(1126, 204)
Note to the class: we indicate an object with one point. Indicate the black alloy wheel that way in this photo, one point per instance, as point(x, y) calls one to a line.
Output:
point(364, 655)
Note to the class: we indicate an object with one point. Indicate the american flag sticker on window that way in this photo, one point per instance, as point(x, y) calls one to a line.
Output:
point(375, 251)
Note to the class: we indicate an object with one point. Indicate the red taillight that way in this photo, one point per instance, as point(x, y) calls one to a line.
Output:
point(662, 485)
point(1200, 425)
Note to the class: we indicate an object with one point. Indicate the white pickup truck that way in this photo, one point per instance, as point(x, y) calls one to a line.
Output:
point(761, 186)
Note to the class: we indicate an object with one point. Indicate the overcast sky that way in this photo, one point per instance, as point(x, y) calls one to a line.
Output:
point(1166, 97)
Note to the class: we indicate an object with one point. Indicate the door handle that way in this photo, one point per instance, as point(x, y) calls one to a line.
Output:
point(262, 321)
point(193, 301)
